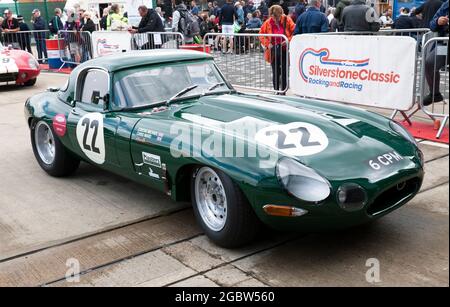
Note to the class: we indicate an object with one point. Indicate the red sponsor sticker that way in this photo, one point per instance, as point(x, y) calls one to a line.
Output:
point(59, 124)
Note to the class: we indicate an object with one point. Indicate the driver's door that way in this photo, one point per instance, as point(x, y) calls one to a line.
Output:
point(91, 126)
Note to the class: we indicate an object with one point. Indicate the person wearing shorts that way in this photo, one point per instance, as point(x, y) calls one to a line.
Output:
point(226, 20)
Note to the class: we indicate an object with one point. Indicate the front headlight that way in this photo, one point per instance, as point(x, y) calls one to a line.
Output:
point(402, 131)
point(301, 181)
point(32, 63)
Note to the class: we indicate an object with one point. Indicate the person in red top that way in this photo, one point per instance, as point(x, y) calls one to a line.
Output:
point(276, 52)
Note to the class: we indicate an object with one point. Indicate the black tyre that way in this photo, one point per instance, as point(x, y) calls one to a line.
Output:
point(50, 153)
point(31, 82)
point(222, 209)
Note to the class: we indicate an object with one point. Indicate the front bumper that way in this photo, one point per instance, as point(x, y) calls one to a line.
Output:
point(384, 197)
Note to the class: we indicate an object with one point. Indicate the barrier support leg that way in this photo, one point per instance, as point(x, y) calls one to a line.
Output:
point(441, 128)
point(405, 116)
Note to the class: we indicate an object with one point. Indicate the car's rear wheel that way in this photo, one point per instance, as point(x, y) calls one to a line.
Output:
point(50, 152)
point(222, 209)
point(31, 82)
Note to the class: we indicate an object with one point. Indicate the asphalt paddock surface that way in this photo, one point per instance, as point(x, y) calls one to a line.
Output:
point(119, 233)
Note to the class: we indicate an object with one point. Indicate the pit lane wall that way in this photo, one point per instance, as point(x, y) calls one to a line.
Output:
point(376, 71)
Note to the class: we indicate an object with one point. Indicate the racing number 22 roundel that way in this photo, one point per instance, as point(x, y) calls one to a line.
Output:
point(294, 139)
point(90, 137)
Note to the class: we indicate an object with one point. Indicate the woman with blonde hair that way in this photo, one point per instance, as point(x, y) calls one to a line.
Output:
point(276, 52)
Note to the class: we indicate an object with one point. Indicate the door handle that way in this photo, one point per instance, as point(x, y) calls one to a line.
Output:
point(74, 112)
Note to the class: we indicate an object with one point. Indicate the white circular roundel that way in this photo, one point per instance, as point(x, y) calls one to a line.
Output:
point(90, 137)
point(294, 139)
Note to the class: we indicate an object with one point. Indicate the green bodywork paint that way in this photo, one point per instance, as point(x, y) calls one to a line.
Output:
point(138, 145)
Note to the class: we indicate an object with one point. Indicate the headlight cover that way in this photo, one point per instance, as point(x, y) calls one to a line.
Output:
point(33, 63)
point(301, 181)
point(402, 131)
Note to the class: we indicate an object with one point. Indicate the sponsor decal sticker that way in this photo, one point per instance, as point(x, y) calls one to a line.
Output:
point(340, 73)
point(151, 159)
point(60, 124)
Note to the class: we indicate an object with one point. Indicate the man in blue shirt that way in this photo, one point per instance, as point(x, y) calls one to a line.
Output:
point(435, 61)
point(312, 21)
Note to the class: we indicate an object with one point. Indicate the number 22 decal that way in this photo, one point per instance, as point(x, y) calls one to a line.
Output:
point(296, 139)
point(90, 137)
point(93, 125)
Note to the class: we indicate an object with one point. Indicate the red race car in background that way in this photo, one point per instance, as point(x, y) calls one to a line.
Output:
point(18, 66)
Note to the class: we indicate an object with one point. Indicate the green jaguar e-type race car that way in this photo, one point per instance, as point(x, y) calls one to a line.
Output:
point(169, 120)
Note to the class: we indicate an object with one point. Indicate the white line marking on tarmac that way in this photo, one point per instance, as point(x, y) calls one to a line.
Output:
point(435, 144)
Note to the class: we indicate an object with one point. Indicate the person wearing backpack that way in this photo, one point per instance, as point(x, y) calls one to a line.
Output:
point(184, 22)
point(55, 23)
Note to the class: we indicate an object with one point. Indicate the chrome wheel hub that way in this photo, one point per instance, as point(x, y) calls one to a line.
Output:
point(45, 142)
point(211, 198)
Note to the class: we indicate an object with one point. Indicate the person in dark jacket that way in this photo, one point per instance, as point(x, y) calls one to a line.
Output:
point(338, 13)
point(55, 24)
point(434, 61)
point(300, 8)
point(88, 24)
point(312, 21)
point(428, 10)
point(359, 17)
point(264, 9)
point(150, 22)
point(39, 37)
point(24, 38)
point(403, 21)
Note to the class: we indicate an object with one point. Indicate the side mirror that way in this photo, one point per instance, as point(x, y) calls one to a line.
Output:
point(105, 102)
point(95, 98)
point(52, 89)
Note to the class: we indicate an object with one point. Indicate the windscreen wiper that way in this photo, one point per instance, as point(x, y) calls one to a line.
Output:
point(216, 86)
point(182, 92)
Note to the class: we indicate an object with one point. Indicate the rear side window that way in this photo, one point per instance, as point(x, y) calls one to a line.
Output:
point(95, 84)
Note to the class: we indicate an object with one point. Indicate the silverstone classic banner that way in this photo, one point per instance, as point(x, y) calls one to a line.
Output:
point(358, 69)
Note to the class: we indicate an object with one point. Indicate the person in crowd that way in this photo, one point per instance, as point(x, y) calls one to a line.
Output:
point(300, 8)
point(181, 19)
point(342, 4)
point(55, 24)
point(103, 20)
point(359, 17)
point(313, 20)
point(249, 8)
point(160, 14)
point(39, 36)
point(88, 24)
point(24, 35)
point(167, 9)
point(275, 48)
point(73, 21)
point(240, 18)
point(115, 20)
point(150, 22)
point(404, 21)
point(386, 18)
point(264, 9)
point(210, 8)
point(10, 26)
point(226, 20)
point(417, 22)
point(81, 14)
point(216, 9)
point(434, 60)
point(332, 21)
point(254, 22)
point(194, 8)
point(428, 9)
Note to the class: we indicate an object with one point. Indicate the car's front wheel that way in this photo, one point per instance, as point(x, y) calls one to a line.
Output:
point(50, 153)
point(31, 82)
point(222, 209)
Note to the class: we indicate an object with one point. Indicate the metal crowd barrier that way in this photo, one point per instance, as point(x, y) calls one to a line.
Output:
point(30, 41)
point(240, 57)
point(74, 47)
point(434, 80)
point(157, 40)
